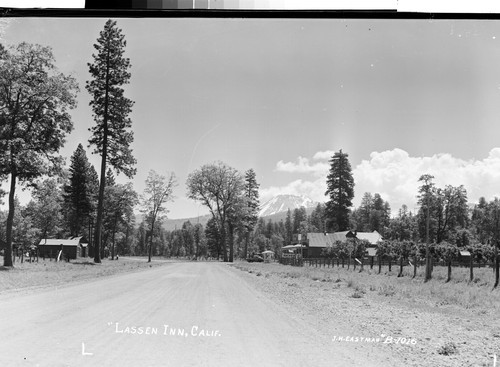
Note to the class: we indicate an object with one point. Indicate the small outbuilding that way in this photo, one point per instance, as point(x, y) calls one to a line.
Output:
point(72, 247)
point(268, 256)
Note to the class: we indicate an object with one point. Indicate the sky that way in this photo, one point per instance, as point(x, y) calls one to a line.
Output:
point(400, 97)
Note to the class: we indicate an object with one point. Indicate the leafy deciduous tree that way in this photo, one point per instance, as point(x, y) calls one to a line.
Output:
point(158, 191)
point(220, 188)
point(34, 118)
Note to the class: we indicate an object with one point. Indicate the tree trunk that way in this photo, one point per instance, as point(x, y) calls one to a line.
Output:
point(104, 243)
point(390, 263)
point(415, 259)
point(224, 241)
point(7, 259)
point(379, 264)
point(247, 240)
point(151, 240)
point(231, 241)
point(428, 271)
point(113, 239)
point(372, 259)
point(127, 234)
point(100, 206)
point(89, 244)
point(449, 271)
point(497, 266)
point(400, 267)
point(471, 265)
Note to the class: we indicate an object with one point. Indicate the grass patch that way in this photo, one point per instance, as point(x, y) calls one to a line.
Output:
point(460, 292)
point(387, 290)
point(45, 273)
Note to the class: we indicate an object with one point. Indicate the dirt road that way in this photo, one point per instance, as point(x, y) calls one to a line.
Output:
point(181, 314)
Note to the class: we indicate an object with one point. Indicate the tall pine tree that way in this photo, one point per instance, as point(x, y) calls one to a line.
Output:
point(252, 204)
point(111, 136)
point(340, 189)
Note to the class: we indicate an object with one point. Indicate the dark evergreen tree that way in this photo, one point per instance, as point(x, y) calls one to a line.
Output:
point(45, 209)
point(213, 237)
point(317, 218)
point(299, 216)
point(380, 215)
point(288, 228)
point(120, 201)
point(426, 200)
point(78, 194)
point(479, 220)
point(199, 241)
point(340, 190)
point(188, 237)
point(111, 136)
point(252, 203)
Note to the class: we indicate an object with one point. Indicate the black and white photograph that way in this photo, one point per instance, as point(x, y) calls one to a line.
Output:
point(249, 191)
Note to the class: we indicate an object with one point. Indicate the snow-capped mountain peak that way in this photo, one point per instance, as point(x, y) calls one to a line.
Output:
point(282, 203)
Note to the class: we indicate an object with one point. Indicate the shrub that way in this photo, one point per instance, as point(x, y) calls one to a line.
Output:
point(387, 290)
point(448, 348)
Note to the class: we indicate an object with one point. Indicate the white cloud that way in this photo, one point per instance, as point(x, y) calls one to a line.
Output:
point(325, 155)
point(394, 175)
point(303, 166)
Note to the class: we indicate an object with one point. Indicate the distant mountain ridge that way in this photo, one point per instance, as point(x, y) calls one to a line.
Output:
point(281, 203)
point(274, 209)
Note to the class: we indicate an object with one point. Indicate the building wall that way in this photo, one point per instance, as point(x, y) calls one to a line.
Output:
point(51, 251)
point(314, 251)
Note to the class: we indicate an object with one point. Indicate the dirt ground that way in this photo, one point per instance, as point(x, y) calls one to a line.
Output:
point(179, 314)
point(213, 314)
point(439, 335)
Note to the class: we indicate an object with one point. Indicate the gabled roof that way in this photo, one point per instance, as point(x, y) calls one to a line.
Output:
point(340, 236)
point(57, 242)
point(318, 239)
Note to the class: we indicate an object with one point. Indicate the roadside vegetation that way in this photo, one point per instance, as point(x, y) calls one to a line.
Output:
point(46, 273)
point(476, 296)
